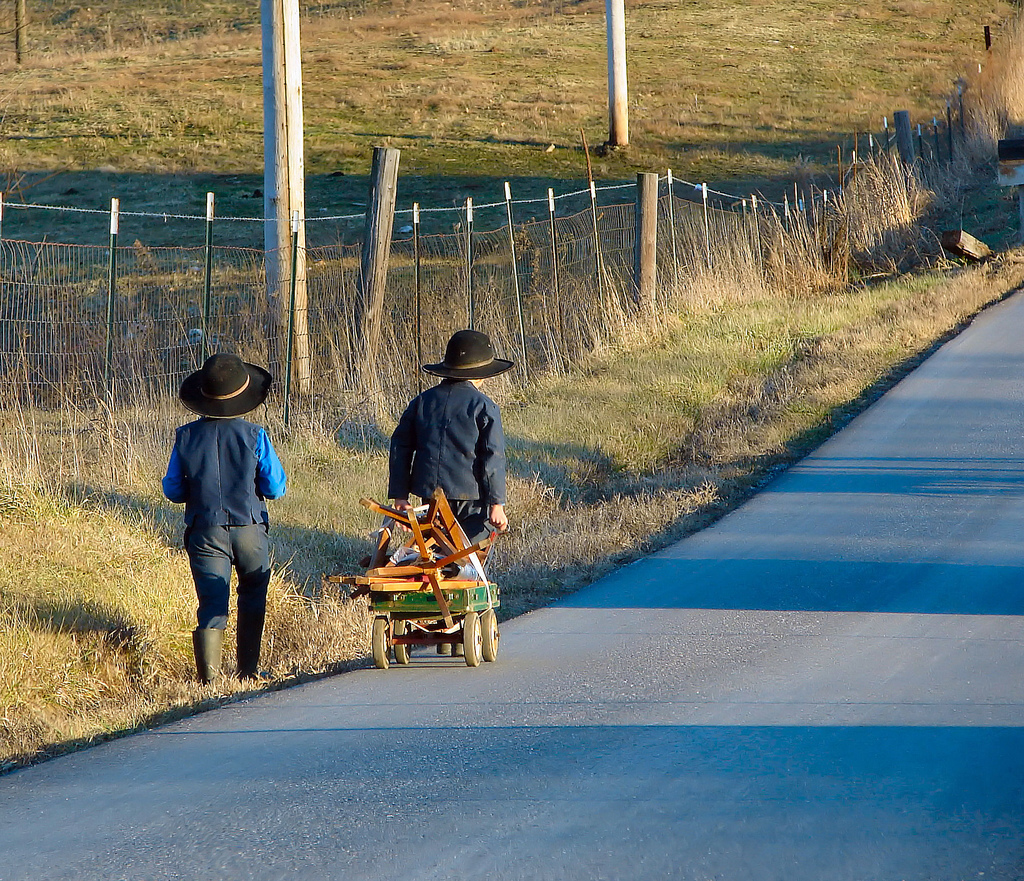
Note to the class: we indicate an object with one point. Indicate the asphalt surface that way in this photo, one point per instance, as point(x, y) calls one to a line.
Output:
point(824, 685)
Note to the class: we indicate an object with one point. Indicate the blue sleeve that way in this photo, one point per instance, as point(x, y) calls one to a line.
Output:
point(270, 478)
point(491, 455)
point(400, 456)
point(174, 483)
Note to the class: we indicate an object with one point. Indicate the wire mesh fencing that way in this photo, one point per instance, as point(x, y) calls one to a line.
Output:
point(125, 324)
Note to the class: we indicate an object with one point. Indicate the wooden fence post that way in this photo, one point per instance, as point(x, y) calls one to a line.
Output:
point(20, 21)
point(645, 246)
point(373, 267)
point(904, 137)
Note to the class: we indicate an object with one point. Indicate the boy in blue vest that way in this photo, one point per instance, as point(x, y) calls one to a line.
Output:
point(224, 468)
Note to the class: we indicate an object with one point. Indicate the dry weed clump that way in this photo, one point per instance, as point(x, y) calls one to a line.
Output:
point(883, 204)
point(315, 633)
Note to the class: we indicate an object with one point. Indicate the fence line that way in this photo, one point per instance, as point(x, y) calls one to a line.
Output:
point(126, 323)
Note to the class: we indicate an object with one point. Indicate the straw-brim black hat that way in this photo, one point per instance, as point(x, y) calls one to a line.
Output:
point(226, 386)
point(469, 355)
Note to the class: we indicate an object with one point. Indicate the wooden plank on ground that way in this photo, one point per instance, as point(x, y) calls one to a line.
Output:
point(963, 244)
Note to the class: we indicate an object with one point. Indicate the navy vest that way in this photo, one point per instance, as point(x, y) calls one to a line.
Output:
point(218, 457)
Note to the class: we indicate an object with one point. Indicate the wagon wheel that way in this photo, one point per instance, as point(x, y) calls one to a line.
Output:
point(401, 651)
point(472, 639)
point(489, 635)
point(380, 641)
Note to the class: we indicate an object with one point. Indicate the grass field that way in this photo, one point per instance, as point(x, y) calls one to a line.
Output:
point(674, 420)
point(156, 103)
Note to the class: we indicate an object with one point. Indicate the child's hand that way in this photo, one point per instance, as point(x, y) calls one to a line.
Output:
point(403, 506)
point(498, 518)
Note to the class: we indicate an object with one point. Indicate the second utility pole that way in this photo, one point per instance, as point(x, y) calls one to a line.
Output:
point(284, 179)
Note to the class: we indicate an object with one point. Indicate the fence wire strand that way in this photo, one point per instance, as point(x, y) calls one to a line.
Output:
point(572, 287)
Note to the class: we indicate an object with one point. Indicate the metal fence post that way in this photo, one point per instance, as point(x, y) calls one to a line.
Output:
point(757, 232)
point(554, 272)
point(598, 262)
point(963, 125)
point(418, 287)
point(115, 205)
point(208, 280)
point(515, 279)
point(949, 129)
point(672, 225)
point(470, 304)
point(291, 317)
point(707, 223)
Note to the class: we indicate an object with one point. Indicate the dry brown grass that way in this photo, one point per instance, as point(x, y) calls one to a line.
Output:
point(744, 364)
point(717, 90)
point(682, 422)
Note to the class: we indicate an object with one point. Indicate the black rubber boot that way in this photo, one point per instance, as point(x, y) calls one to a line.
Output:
point(250, 638)
point(206, 644)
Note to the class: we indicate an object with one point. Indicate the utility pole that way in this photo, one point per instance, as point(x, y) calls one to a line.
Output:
point(20, 20)
point(618, 93)
point(284, 180)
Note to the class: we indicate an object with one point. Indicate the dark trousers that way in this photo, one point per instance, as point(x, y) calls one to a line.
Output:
point(472, 517)
point(212, 551)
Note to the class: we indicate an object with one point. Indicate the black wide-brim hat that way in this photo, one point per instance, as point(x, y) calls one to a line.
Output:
point(469, 355)
point(226, 386)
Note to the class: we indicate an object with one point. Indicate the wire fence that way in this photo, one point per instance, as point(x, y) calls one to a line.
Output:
point(126, 323)
point(547, 279)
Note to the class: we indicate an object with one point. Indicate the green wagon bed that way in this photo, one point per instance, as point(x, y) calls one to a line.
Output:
point(432, 590)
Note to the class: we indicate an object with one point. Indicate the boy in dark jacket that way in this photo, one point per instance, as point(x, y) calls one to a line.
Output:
point(224, 468)
point(450, 437)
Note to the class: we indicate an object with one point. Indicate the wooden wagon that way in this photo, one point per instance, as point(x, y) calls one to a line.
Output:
point(432, 590)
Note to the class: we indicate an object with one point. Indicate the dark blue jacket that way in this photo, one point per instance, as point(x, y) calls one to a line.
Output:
point(449, 437)
point(223, 469)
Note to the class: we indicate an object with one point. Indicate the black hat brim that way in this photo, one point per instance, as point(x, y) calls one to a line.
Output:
point(191, 394)
point(484, 371)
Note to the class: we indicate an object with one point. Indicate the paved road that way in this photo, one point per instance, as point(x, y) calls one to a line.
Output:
point(825, 685)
